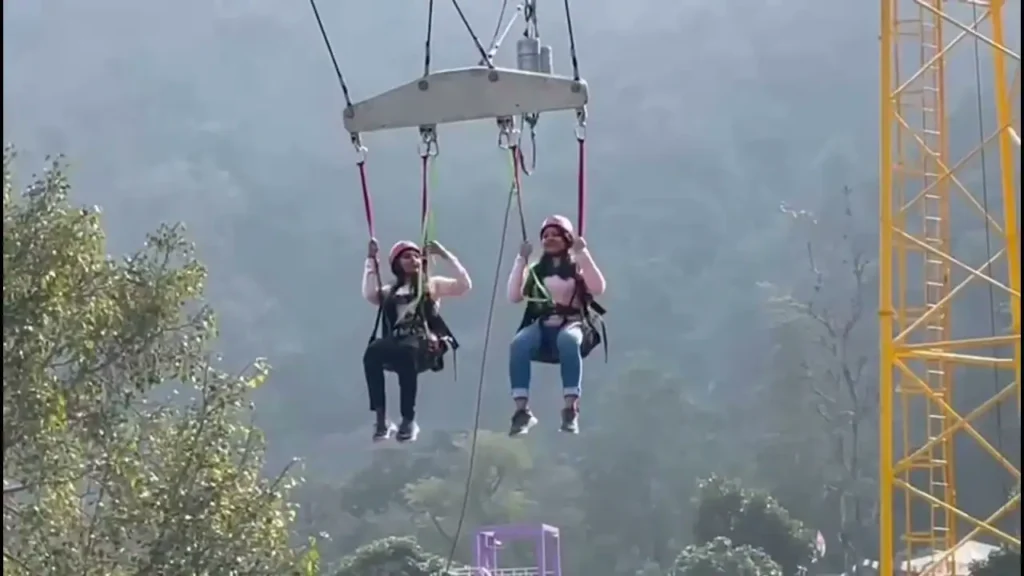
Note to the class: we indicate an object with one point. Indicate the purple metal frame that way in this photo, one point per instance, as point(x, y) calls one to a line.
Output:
point(547, 546)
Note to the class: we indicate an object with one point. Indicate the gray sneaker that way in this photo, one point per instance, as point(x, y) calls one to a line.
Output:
point(408, 431)
point(522, 421)
point(383, 430)
point(570, 421)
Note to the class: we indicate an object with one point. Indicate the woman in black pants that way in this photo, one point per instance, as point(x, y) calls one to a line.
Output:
point(409, 308)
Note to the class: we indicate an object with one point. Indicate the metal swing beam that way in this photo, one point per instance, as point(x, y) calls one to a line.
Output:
point(463, 95)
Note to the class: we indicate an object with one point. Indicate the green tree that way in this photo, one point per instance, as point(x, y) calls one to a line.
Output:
point(371, 503)
point(390, 557)
point(1005, 562)
point(751, 518)
point(126, 451)
point(380, 485)
point(497, 494)
point(826, 315)
point(630, 496)
point(720, 557)
point(792, 446)
point(420, 491)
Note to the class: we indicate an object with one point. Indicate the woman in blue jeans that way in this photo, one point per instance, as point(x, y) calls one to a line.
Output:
point(555, 288)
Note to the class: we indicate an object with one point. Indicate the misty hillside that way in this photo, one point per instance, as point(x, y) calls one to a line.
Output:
point(733, 169)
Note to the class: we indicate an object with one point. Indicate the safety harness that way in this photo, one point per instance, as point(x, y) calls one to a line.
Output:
point(414, 329)
point(590, 315)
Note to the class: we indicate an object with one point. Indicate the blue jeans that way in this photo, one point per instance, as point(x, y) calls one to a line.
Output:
point(528, 341)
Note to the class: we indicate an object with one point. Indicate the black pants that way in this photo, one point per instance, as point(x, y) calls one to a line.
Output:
point(400, 356)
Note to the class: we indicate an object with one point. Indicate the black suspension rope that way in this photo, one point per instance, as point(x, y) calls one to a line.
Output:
point(499, 32)
point(430, 33)
point(517, 188)
point(480, 389)
point(476, 40)
point(531, 120)
point(497, 26)
point(330, 51)
point(572, 42)
point(988, 236)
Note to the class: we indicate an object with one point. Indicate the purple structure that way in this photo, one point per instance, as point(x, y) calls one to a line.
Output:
point(547, 547)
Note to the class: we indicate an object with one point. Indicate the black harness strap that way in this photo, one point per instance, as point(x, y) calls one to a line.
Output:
point(588, 314)
point(425, 321)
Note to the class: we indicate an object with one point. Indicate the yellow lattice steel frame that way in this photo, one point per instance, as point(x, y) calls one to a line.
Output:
point(919, 354)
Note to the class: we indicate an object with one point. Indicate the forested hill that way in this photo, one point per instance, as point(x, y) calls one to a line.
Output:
point(732, 206)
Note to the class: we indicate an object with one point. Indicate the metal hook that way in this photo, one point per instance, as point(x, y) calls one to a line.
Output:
point(428, 144)
point(357, 143)
point(581, 123)
point(531, 121)
point(508, 135)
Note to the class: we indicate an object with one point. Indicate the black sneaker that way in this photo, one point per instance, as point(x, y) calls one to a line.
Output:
point(408, 431)
point(383, 430)
point(522, 421)
point(570, 421)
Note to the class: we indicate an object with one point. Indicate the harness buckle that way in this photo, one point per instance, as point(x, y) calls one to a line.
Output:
point(428, 141)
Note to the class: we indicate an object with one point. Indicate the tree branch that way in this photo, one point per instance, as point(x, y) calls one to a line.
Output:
point(440, 529)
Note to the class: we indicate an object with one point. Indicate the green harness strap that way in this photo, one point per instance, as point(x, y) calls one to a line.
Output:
point(427, 235)
point(545, 296)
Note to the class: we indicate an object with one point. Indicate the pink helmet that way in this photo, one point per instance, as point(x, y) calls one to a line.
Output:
point(560, 222)
point(399, 247)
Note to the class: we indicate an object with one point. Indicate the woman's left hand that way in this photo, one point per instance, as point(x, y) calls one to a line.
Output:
point(579, 244)
point(434, 248)
point(433, 342)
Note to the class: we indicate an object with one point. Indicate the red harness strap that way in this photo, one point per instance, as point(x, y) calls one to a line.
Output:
point(368, 208)
point(367, 202)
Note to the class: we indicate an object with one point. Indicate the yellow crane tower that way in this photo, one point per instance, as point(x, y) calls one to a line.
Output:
point(922, 188)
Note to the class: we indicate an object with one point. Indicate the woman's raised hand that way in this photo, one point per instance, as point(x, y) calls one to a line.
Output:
point(434, 248)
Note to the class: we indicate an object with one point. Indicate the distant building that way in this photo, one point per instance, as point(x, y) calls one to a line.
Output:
point(972, 551)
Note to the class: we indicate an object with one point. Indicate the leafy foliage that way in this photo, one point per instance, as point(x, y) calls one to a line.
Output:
point(425, 485)
point(1005, 562)
point(497, 492)
point(391, 557)
point(126, 451)
point(751, 518)
point(720, 557)
point(689, 160)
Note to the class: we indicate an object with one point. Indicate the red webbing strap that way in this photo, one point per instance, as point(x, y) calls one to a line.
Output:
point(368, 208)
point(581, 189)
